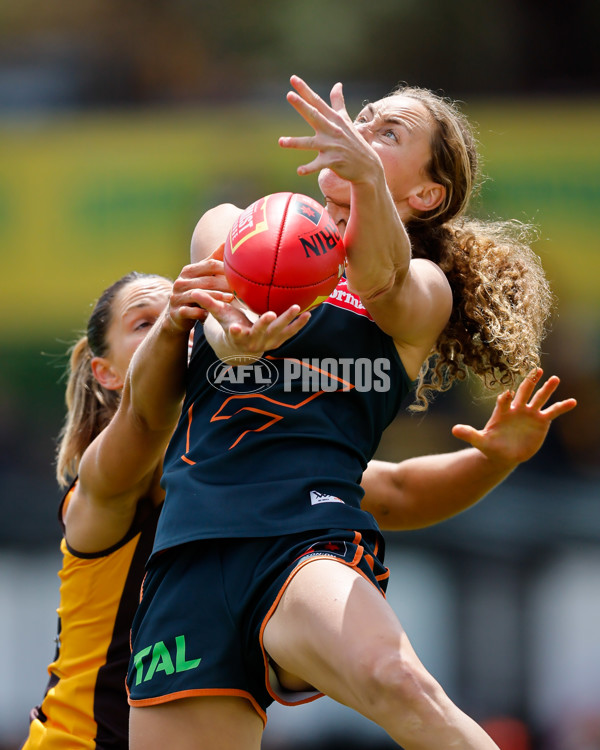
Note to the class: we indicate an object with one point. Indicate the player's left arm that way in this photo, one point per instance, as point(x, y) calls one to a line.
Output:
point(121, 463)
point(422, 491)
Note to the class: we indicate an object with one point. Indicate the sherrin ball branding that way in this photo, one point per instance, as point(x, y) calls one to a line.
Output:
point(284, 249)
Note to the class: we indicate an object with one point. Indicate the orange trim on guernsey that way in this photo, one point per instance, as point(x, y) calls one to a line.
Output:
point(187, 438)
point(276, 418)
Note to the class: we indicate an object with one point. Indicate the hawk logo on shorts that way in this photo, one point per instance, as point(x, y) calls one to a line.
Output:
point(316, 498)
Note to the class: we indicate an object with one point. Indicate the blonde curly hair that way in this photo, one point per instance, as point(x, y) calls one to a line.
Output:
point(502, 298)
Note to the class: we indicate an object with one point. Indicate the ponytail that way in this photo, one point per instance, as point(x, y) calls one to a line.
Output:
point(90, 407)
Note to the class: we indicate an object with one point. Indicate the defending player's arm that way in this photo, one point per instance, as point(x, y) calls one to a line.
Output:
point(120, 464)
point(422, 491)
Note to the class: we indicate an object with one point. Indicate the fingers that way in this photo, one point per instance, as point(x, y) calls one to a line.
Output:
point(526, 401)
point(304, 109)
point(316, 112)
point(308, 95)
point(337, 99)
point(205, 274)
point(560, 407)
point(316, 165)
point(525, 396)
point(258, 329)
point(213, 302)
point(266, 332)
point(269, 331)
point(465, 432)
point(296, 325)
point(325, 130)
point(504, 401)
point(525, 390)
point(210, 266)
point(216, 294)
point(218, 253)
point(196, 306)
point(544, 393)
point(302, 143)
point(307, 143)
point(340, 146)
point(316, 117)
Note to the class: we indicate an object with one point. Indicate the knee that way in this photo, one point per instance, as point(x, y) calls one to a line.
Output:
point(402, 692)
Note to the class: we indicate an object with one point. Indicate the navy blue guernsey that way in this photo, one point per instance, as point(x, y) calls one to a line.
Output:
point(280, 446)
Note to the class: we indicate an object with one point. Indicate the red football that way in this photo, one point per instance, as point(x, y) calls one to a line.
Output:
point(283, 250)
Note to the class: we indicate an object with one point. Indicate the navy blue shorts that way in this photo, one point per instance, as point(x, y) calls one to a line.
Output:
point(198, 630)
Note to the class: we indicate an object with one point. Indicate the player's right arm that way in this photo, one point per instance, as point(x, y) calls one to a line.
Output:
point(422, 491)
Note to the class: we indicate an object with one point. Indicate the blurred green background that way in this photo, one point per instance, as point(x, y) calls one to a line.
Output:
point(121, 122)
point(88, 196)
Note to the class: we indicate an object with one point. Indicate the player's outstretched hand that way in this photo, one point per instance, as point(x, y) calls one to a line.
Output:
point(340, 145)
point(519, 424)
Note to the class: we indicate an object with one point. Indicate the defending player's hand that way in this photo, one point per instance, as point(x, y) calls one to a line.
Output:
point(194, 284)
point(519, 423)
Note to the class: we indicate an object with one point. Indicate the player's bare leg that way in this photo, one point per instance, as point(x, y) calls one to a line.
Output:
point(335, 631)
point(210, 723)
